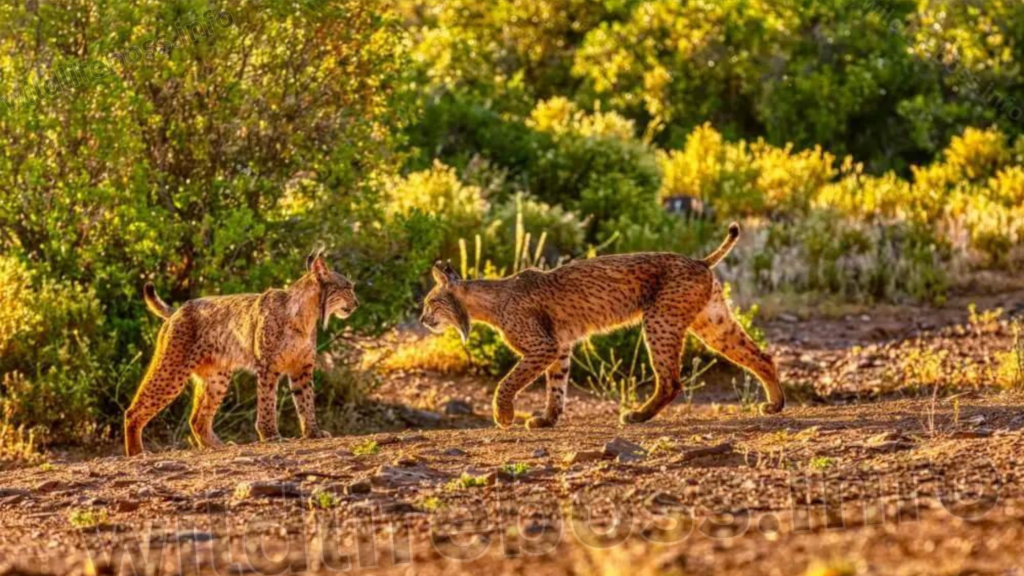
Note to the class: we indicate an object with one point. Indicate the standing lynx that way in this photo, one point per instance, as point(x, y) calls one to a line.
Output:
point(271, 334)
point(541, 315)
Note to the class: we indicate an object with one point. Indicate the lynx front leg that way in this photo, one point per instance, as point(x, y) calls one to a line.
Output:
point(526, 371)
point(266, 404)
point(558, 382)
point(211, 388)
point(303, 395)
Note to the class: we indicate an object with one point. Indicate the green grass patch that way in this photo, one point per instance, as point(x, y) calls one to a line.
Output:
point(368, 448)
point(82, 518)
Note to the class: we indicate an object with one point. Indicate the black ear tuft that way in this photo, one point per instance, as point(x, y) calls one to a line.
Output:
point(450, 272)
point(309, 262)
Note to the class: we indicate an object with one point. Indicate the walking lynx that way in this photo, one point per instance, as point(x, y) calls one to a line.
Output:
point(541, 315)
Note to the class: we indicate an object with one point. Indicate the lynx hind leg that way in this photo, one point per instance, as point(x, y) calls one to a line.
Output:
point(557, 385)
point(164, 380)
point(211, 387)
point(717, 328)
point(305, 402)
point(664, 329)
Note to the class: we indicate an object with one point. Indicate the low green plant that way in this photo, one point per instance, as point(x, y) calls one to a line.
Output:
point(663, 444)
point(822, 463)
point(324, 500)
point(1010, 369)
point(430, 504)
point(746, 393)
point(82, 518)
point(366, 448)
point(467, 481)
point(612, 374)
point(516, 469)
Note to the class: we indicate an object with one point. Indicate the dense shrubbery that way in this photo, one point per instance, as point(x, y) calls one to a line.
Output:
point(873, 150)
point(210, 166)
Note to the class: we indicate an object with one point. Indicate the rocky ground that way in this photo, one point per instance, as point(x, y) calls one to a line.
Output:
point(859, 476)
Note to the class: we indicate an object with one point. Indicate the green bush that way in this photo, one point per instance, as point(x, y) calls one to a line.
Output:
point(563, 231)
point(594, 166)
point(858, 261)
point(57, 359)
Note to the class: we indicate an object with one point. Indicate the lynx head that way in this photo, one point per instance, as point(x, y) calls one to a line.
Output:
point(337, 293)
point(442, 308)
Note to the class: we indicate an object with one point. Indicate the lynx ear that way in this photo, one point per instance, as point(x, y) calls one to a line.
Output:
point(444, 274)
point(438, 273)
point(319, 267)
point(317, 253)
point(450, 272)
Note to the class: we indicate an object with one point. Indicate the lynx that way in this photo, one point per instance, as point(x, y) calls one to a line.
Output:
point(541, 315)
point(270, 334)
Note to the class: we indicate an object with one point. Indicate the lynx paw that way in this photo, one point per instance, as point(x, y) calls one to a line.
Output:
point(504, 418)
point(633, 417)
point(536, 422)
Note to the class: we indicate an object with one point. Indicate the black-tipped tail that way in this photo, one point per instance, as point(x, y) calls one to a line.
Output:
point(154, 303)
point(722, 251)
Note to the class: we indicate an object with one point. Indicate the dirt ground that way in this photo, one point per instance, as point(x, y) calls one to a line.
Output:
point(859, 475)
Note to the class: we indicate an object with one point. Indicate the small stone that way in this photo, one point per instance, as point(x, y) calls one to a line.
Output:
point(789, 318)
point(397, 507)
point(170, 466)
point(359, 487)
point(407, 461)
point(540, 453)
point(267, 490)
point(663, 500)
point(12, 496)
point(623, 450)
point(393, 476)
point(47, 486)
point(195, 536)
point(884, 437)
point(209, 507)
point(126, 506)
point(583, 456)
point(458, 408)
point(976, 433)
point(695, 453)
point(454, 452)
point(421, 418)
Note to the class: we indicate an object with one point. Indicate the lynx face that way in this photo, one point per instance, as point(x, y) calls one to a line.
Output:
point(441, 308)
point(339, 295)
